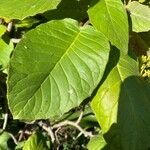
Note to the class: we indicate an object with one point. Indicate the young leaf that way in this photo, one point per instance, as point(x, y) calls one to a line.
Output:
point(54, 68)
point(20, 9)
point(105, 103)
point(140, 15)
point(109, 17)
point(35, 142)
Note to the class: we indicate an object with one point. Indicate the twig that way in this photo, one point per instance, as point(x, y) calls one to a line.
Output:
point(1, 21)
point(80, 117)
point(21, 135)
point(5, 121)
point(9, 26)
point(57, 140)
point(87, 23)
point(15, 40)
point(48, 130)
point(14, 139)
point(74, 124)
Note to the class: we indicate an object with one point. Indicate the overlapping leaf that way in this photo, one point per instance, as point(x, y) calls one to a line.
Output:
point(109, 16)
point(5, 51)
point(35, 142)
point(105, 103)
point(2, 30)
point(124, 100)
point(133, 114)
point(54, 68)
point(140, 15)
point(20, 9)
point(97, 143)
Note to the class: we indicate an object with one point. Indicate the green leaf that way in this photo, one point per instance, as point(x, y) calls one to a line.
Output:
point(54, 68)
point(4, 137)
point(140, 16)
point(20, 9)
point(35, 142)
point(133, 114)
point(97, 143)
point(2, 30)
point(6, 48)
point(105, 103)
point(109, 17)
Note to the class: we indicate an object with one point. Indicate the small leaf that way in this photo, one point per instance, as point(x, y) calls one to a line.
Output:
point(105, 103)
point(4, 137)
point(5, 51)
point(57, 70)
point(97, 143)
point(35, 142)
point(20, 9)
point(2, 30)
point(140, 15)
point(109, 17)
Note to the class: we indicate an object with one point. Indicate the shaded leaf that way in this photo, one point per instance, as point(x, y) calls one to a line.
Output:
point(69, 9)
point(133, 114)
point(109, 17)
point(18, 9)
point(57, 70)
point(140, 16)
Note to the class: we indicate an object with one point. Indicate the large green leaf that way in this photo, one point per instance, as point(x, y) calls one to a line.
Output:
point(105, 103)
point(35, 142)
point(20, 9)
point(140, 15)
point(6, 48)
point(133, 114)
point(109, 17)
point(54, 68)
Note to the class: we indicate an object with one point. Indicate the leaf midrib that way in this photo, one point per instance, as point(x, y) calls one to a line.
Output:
point(72, 43)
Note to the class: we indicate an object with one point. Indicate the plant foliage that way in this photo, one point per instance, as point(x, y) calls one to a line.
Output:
point(75, 74)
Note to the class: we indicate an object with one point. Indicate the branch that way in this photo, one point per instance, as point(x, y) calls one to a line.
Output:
point(5, 121)
point(14, 139)
point(74, 124)
point(9, 26)
point(80, 117)
point(15, 40)
point(48, 130)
